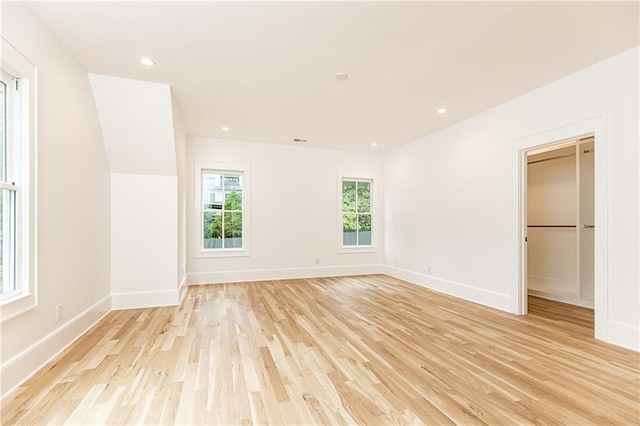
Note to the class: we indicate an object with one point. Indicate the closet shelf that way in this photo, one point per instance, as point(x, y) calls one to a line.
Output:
point(551, 226)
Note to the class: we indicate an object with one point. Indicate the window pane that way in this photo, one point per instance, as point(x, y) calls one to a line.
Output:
point(7, 241)
point(364, 230)
point(348, 196)
point(212, 230)
point(211, 191)
point(3, 130)
point(232, 230)
point(364, 197)
point(349, 237)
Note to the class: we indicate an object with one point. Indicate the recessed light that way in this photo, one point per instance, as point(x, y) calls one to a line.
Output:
point(442, 110)
point(225, 128)
point(147, 61)
point(374, 144)
point(342, 76)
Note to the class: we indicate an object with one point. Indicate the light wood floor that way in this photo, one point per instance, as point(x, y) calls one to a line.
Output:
point(368, 350)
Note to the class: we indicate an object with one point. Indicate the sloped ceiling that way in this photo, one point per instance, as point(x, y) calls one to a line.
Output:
point(137, 125)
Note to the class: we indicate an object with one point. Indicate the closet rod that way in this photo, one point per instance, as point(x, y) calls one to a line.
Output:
point(552, 158)
point(551, 226)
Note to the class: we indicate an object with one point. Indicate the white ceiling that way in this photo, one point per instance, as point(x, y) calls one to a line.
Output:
point(266, 70)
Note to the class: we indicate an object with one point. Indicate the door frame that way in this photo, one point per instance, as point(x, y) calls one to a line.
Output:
point(598, 128)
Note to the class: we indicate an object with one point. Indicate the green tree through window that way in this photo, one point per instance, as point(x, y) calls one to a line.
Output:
point(356, 212)
point(232, 218)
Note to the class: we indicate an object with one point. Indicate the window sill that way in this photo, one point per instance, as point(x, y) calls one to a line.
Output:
point(357, 249)
point(222, 253)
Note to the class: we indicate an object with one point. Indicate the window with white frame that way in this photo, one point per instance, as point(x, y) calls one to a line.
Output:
point(9, 143)
point(357, 212)
point(17, 184)
point(223, 192)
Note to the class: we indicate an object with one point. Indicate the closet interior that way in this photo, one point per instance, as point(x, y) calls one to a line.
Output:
point(560, 222)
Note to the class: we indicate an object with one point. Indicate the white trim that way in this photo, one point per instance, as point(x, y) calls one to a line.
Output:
point(145, 299)
point(598, 128)
point(281, 274)
point(182, 289)
point(245, 169)
point(554, 283)
point(563, 299)
point(357, 249)
point(492, 299)
point(519, 303)
point(24, 365)
point(627, 336)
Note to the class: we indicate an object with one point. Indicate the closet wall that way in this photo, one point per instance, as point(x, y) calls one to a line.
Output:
point(559, 199)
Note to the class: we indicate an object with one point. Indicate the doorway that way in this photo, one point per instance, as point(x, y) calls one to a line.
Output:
point(596, 128)
point(560, 221)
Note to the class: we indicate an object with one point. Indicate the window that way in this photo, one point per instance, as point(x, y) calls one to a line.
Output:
point(17, 184)
point(357, 230)
point(9, 144)
point(223, 209)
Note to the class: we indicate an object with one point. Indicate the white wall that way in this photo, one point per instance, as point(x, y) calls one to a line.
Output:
point(144, 240)
point(551, 192)
point(136, 120)
point(294, 212)
point(452, 196)
point(73, 204)
point(145, 144)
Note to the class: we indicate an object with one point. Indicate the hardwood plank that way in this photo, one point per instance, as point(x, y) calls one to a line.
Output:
point(367, 349)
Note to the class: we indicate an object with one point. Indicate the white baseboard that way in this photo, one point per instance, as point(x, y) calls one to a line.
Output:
point(281, 274)
point(473, 294)
point(182, 289)
point(145, 299)
point(561, 298)
point(541, 283)
point(22, 366)
point(624, 335)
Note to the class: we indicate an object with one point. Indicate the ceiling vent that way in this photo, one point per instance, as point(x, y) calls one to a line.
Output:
point(298, 140)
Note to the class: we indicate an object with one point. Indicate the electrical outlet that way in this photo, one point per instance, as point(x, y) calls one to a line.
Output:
point(58, 312)
point(317, 260)
point(428, 269)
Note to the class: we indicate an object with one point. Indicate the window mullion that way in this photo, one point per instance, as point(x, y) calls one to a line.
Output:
point(357, 218)
point(224, 202)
